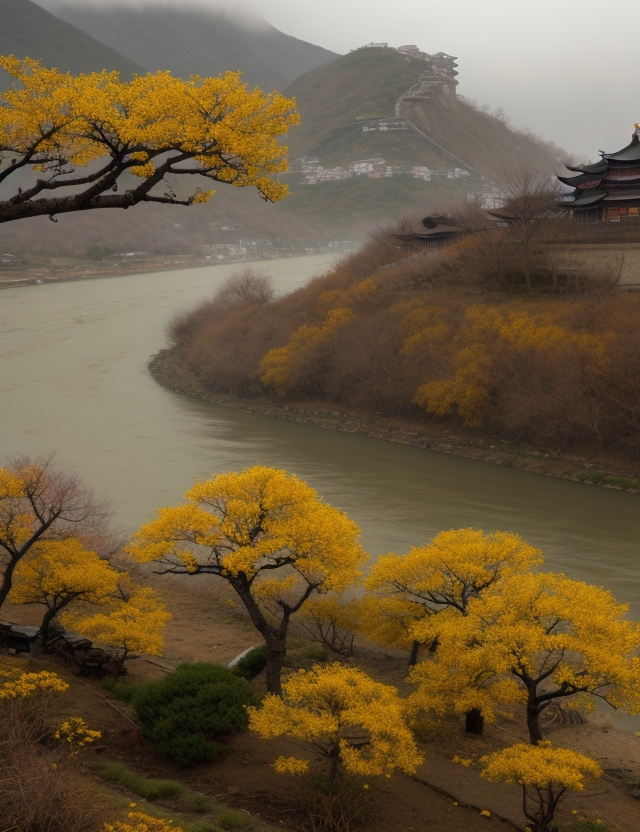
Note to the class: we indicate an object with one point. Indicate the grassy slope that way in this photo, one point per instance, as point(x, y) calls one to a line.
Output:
point(28, 30)
point(365, 83)
point(484, 142)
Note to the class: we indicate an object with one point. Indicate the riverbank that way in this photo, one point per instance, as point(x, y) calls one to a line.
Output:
point(39, 275)
point(597, 471)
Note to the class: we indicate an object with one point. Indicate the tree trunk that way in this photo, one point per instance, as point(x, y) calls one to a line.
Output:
point(413, 655)
point(474, 722)
point(533, 723)
point(44, 627)
point(7, 580)
point(276, 652)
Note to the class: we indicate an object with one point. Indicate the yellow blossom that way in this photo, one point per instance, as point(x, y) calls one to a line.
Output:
point(340, 711)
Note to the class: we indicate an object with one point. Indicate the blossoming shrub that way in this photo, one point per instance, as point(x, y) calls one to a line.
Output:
point(140, 822)
point(544, 772)
point(185, 712)
point(357, 724)
point(41, 788)
point(25, 700)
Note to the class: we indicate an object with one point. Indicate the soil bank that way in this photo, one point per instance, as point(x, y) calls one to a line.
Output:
point(165, 368)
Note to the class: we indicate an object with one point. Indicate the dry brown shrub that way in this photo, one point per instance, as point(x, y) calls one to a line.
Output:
point(44, 791)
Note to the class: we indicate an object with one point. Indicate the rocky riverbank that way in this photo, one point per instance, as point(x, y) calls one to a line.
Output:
point(166, 370)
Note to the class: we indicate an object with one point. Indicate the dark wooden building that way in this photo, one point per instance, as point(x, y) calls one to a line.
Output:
point(607, 190)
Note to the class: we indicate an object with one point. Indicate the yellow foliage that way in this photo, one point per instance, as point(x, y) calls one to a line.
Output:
point(487, 336)
point(278, 364)
point(23, 685)
point(140, 822)
point(255, 522)
point(332, 622)
point(76, 733)
point(531, 635)
point(132, 625)
point(541, 766)
point(56, 571)
point(388, 619)
point(339, 710)
point(227, 132)
point(456, 566)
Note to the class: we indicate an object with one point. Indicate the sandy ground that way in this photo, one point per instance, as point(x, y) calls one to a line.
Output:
point(443, 796)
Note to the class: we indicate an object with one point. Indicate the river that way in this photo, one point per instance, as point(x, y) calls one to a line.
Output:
point(73, 379)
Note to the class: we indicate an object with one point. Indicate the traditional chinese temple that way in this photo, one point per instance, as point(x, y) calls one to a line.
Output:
point(607, 190)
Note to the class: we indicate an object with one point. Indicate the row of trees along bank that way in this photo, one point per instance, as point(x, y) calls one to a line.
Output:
point(437, 337)
point(484, 629)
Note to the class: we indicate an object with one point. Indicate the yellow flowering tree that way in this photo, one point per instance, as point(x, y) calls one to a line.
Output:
point(545, 774)
point(356, 724)
point(269, 535)
point(57, 573)
point(132, 624)
point(454, 567)
point(156, 127)
point(543, 637)
point(39, 502)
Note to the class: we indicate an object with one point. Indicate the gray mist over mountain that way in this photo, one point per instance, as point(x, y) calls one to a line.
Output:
point(565, 69)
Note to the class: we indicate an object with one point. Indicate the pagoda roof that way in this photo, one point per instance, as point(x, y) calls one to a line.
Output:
point(580, 180)
point(597, 167)
point(630, 153)
point(588, 198)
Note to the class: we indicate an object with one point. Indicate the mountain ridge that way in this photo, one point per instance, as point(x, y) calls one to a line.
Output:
point(28, 30)
point(198, 42)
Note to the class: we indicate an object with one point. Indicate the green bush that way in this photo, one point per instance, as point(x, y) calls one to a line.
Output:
point(253, 663)
point(588, 826)
point(184, 713)
point(231, 820)
point(146, 787)
point(123, 689)
point(200, 826)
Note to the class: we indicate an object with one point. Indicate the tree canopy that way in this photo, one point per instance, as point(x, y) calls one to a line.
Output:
point(537, 638)
point(454, 567)
point(156, 128)
point(58, 573)
point(269, 535)
point(544, 772)
point(38, 503)
point(355, 723)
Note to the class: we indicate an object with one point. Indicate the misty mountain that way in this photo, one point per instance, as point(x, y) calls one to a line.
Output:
point(191, 41)
point(27, 30)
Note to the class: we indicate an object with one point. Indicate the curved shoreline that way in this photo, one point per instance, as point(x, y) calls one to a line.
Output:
point(166, 371)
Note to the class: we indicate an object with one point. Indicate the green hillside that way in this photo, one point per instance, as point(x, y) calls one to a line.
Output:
point(363, 84)
point(27, 30)
point(191, 41)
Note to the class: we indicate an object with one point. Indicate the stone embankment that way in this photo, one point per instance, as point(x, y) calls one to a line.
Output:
point(165, 368)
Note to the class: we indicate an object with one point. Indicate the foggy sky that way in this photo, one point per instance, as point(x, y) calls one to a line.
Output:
point(565, 69)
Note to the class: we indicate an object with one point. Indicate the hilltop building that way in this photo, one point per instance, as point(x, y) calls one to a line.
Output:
point(607, 190)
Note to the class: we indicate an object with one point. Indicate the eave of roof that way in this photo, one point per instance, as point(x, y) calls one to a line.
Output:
point(630, 153)
point(587, 198)
point(596, 167)
point(582, 179)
